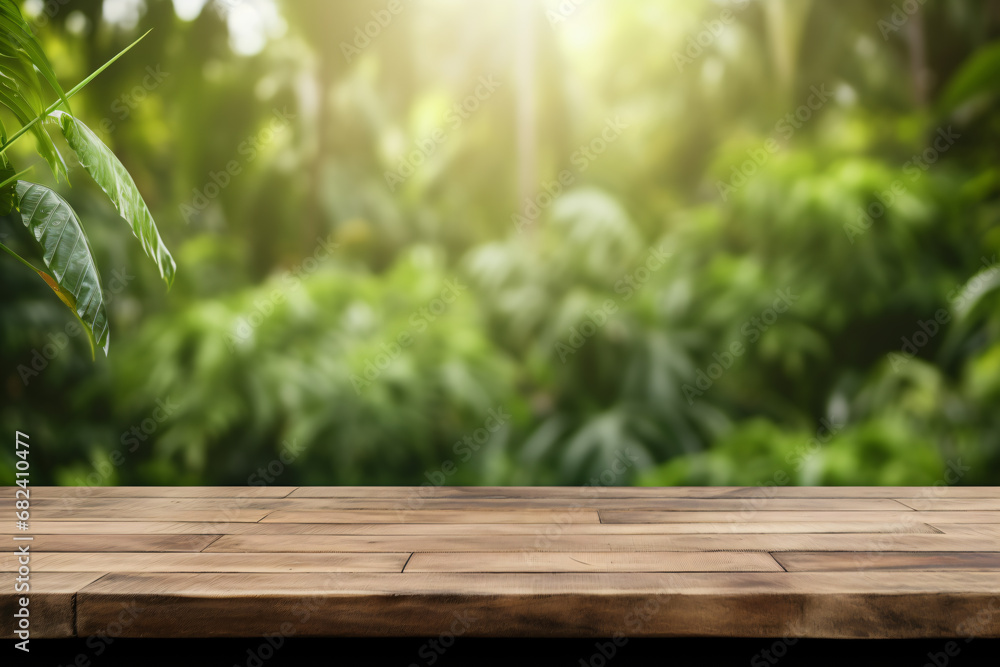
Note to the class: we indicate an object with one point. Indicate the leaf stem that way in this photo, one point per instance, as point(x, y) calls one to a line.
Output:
point(20, 259)
point(16, 176)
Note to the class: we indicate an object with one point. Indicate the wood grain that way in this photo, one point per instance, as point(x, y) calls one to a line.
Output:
point(272, 528)
point(434, 516)
point(50, 609)
point(126, 528)
point(209, 562)
point(905, 516)
point(644, 492)
point(972, 529)
point(851, 562)
point(154, 514)
point(746, 604)
point(647, 561)
point(813, 561)
point(935, 504)
point(47, 492)
point(445, 528)
point(114, 543)
point(625, 543)
point(491, 504)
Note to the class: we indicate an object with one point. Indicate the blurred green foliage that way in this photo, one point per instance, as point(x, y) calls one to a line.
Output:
point(736, 243)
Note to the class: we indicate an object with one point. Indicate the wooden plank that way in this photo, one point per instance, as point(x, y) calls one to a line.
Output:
point(972, 529)
point(408, 492)
point(905, 516)
point(432, 516)
point(953, 504)
point(76, 492)
point(51, 604)
point(861, 492)
point(491, 504)
point(181, 504)
point(572, 492)
point(417, 493)
point(159, 514)
point(115, 543)
point(746, 604)
point(195, 528)
point(130, 528)
point(208, 562)
point(815, 561)
point(564, 542)
point(487, 529)
point(647, 561)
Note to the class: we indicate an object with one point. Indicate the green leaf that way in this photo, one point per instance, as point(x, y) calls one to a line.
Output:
point(114, 179)
point(978, 75)
point(33, 126)
point(65, 250)
point(14, 99)
point(16, 30)
point(21, 58)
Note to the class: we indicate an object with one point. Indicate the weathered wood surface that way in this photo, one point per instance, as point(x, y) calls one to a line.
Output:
point(851, 562)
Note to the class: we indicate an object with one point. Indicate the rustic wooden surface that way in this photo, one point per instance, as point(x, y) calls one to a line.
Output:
point(851, 562)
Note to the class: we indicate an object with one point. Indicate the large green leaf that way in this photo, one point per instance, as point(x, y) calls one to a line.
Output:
point(65, 250)
point(21, 59)
point(116, 182)
point(12, 97)
point(17, 31)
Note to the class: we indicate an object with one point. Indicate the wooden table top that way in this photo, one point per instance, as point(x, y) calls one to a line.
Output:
point(850, 562)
